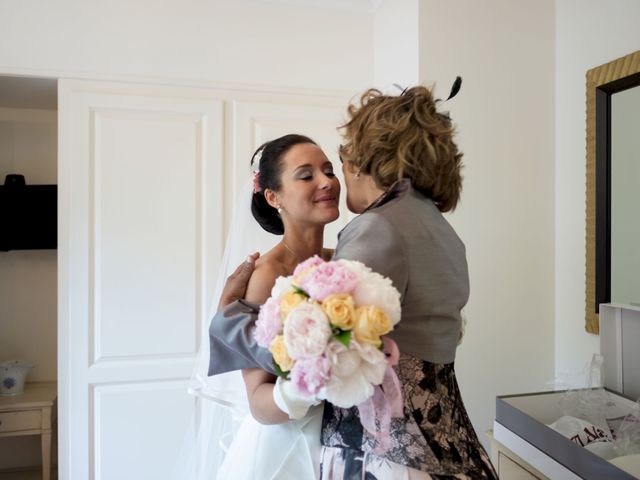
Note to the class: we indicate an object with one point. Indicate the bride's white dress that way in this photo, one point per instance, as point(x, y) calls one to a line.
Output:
point(275, 452)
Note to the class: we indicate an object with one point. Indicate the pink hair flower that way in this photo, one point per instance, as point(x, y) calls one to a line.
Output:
point(256, 181)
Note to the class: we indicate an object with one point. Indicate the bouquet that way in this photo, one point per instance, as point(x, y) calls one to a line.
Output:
point(325, 327)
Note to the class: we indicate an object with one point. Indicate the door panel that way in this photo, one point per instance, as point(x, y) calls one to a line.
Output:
point(144, 415)
point(140, 221)
point(146, 189)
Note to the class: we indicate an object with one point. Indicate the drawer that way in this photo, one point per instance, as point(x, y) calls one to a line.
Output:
point(510, 470)
point(17, 421)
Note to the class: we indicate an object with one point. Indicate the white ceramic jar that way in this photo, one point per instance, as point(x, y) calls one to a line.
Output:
point(13, 374)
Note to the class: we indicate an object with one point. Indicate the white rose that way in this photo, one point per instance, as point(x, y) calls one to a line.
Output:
point(354, 372)
point(374, 289)
point(374, 362)
point(306, 331)
point(282, 286)
point(344, 362)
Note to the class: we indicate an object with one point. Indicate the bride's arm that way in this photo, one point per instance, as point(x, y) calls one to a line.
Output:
point(258, 382)
point(260, 386)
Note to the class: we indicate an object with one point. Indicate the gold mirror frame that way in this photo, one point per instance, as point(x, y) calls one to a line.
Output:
point(596, 78)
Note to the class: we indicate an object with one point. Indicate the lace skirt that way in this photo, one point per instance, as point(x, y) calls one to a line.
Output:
point(435, 439)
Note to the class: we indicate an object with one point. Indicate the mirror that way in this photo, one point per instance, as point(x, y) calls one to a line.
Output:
point(613, 186)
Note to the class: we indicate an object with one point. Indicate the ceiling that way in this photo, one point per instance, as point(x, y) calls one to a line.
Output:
point(29, 92)
point(42, 93)
point(364, 6)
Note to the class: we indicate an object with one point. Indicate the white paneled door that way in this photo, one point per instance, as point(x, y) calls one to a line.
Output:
point(140, 235)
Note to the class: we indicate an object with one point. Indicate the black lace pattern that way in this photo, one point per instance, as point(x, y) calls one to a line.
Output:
point(435, 436)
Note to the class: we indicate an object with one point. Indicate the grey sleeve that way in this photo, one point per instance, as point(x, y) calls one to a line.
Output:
point(372, 240)
point(232, 346)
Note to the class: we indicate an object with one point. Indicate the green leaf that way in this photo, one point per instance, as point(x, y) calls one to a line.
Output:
point(279, 371)
point(300, 291)
point(344, 337)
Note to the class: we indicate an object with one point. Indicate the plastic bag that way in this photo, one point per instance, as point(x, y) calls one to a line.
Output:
point(607, 428)
point(590, 405)
point(626, 432)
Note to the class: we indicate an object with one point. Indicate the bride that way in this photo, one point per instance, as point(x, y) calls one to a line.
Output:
point(295, 193)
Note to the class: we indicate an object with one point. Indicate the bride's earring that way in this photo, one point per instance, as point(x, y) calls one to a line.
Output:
point(279, 210)
point(357, 174)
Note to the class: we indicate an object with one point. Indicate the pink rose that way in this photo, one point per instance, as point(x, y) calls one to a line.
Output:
point(268, 325)
point(306, 331)
point(327, 279)
point(310, 375)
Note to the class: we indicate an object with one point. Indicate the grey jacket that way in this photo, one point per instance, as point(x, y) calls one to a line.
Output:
point(402, 236)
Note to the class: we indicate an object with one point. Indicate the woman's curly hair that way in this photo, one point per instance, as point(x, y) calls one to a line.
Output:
point(404, 136)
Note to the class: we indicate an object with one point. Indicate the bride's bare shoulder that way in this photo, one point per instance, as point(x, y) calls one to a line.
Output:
point(263, 278)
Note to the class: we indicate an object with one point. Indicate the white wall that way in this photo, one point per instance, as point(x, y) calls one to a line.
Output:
point(28, 279)
point(589, 33)
point(396, 45)
point(504, 51)
point(226, 41)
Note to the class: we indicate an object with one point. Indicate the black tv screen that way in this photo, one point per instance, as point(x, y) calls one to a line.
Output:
point(28, 217)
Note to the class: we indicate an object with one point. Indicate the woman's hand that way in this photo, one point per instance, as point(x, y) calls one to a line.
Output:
point(236, 285)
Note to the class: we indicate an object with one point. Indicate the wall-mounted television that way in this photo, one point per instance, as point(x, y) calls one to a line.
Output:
point(28, 215)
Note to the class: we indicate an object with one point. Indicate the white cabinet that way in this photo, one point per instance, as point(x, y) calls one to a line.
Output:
point(511, 466)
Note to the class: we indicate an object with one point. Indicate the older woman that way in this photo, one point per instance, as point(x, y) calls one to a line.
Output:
point(402, 170)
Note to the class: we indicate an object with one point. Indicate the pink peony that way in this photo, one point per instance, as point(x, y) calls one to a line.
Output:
point(268, 325)
point(310, 375)
point(311, 262)
point(327, 279)
point(306, 331)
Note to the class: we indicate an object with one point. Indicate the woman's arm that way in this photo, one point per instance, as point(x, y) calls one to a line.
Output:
point(259, 383)
point(260, 386)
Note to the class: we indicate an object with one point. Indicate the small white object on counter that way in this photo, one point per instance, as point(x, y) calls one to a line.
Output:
point(13, 374)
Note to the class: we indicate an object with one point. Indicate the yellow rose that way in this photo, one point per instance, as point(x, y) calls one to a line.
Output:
point(371, 323)
point(289, 302)
point(280, 355)
point(341, 310)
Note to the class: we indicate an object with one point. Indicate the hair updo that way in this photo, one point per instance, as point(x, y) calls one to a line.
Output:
point(270, 171)
point(404, 136)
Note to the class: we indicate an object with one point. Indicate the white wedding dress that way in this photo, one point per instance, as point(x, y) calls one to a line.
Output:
point(275, 452)
point(223, 441)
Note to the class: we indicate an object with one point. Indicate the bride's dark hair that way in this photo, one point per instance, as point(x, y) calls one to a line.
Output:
point(269, 171)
